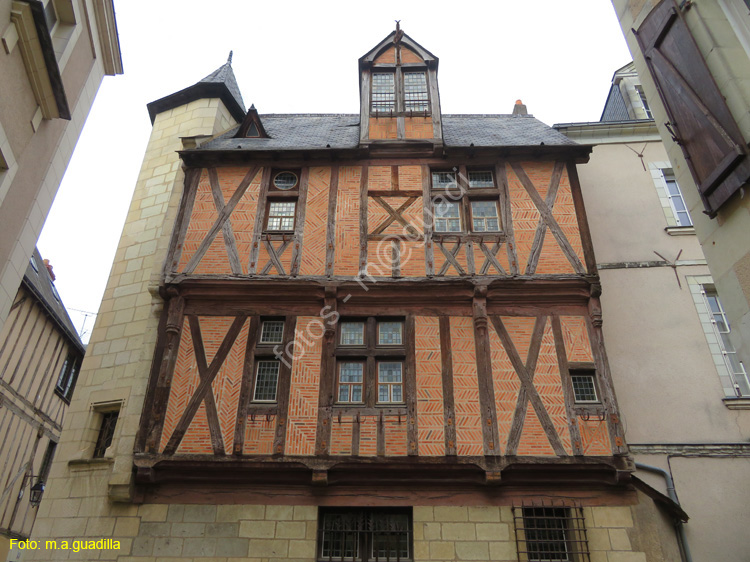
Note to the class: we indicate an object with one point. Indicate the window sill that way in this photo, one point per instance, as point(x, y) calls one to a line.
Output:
point(679, 230)
point(737, 403)
point(79, 464)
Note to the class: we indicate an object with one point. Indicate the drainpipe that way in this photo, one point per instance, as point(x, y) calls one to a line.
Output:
point(678, 526)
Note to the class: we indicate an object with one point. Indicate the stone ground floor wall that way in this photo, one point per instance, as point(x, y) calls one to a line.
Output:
point(270, 533)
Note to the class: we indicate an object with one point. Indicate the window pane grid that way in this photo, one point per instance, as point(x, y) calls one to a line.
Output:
point(350, 382)
point(272, 332)
point(352, 333)
point(281, 215)
point(390, 333)
point(390, 382)
point(447, 217)
point(481, 179)
point(415, 91)
point(484, 216)
point(584, 388)
point(383, 93)
point(266, 381)
point(443, 179)
point(676, 200)
point(721, 325)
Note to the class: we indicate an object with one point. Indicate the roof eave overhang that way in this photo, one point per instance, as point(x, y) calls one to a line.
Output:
point(200, 157)
point(73, 338)
point(201, 90)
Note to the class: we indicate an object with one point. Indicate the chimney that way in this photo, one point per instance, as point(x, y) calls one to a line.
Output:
point(519, 108)
point(49, 269)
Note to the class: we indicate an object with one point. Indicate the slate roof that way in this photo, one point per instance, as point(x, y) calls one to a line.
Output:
point(225, 75)
point(221, 84)
point(320, 131)
point(41, 286)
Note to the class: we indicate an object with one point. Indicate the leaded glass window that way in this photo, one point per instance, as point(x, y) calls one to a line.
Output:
point(390, 333)
point(272, 332)
point(352, 333)
point(266, 381)
point(447, 216)
point(484, 216)
point(442, 180)
point(281, 215)
point(415, 91)
point(390, 382)
point(584, 387)
point(383, 92)
point(481, 178)
point(351, 377)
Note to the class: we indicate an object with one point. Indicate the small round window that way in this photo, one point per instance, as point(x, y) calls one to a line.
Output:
point(285, 180)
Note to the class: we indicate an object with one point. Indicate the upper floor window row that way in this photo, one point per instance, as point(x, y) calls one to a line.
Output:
point(414, 95)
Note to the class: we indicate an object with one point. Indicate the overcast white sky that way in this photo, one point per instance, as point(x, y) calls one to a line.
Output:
point(301, 57)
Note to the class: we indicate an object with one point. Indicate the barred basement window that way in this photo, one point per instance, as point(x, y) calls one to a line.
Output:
point(365, 535)
point(550, 534)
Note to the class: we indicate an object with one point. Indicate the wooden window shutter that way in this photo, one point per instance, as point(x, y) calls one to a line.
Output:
point(700, 120)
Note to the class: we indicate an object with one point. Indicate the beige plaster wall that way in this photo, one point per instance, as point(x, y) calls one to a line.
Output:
point(725, 239)
point(38, 159)
point(116, 367)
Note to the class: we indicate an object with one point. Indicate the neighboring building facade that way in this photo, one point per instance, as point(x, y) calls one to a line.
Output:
point(53, 57)
point(694, 60)
point(40, 355)
point(336, 337)
point(677, 383)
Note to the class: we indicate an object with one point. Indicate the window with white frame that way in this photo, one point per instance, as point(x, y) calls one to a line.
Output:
point(370, 362)
point(676, 201)
point(364, 535)
point(644, 101)
point(721, 325)
point(732, 373)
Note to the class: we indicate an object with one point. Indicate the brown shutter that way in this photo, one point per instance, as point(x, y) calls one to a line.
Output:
point(700, 120)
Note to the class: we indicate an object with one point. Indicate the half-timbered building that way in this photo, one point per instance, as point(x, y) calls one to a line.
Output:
point(355, 337)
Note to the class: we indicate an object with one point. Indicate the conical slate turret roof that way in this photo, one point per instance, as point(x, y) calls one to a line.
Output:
point(221, 84)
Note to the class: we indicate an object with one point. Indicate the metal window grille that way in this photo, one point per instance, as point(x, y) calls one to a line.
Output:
point(383, 93)
point(351, 377)
point(266, 380)
point(415, 92)
point(390, 333)
point(722, 328)
point(676, 200)
point(443, 179)
point(447, 217)
point(106, 433)
point(390, 382)
point(272, 332)
point(364, 536)
point(484, 216)
point(481, 179)
point(550, 534)
point(584, 388)
point(281, 215)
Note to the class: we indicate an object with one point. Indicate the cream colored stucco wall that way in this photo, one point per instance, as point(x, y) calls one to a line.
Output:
point(668, 388)
point(725, 239)
point(37, 159)
point(84, 492)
